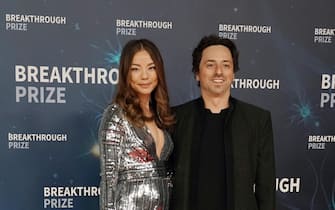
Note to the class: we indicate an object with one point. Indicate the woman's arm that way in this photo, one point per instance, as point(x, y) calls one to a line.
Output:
point(111, 135)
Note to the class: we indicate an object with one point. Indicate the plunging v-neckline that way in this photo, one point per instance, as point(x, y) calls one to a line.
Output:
point(155, 140)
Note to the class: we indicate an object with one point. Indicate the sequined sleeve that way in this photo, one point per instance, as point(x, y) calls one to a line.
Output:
point(111, 134)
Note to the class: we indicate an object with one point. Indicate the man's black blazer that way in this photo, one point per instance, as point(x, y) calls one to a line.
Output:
point(249, 154)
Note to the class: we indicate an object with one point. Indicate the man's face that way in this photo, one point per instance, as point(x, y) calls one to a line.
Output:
point(216, 71)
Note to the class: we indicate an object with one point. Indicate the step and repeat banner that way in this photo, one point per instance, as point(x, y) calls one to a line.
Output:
point(59, 69)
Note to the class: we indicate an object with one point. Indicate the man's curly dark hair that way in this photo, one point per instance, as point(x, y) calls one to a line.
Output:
point(209, 41)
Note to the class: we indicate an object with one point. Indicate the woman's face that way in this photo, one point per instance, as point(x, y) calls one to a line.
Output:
point(143, 75)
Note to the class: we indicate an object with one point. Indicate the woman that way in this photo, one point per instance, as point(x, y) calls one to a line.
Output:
point(134, 142)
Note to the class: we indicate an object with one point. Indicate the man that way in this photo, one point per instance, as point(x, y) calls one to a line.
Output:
point(224, 155)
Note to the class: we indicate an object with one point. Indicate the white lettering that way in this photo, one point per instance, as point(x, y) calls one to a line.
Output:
point(286, 185)
point(327, 81)
point(40, 95)
point(58, 203)
point(46, 74)
point(327, 98)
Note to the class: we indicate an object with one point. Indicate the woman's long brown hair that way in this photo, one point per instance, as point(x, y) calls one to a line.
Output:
point(127, 98)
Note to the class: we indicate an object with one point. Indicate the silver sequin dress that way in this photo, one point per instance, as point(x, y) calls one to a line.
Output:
point(132, 176)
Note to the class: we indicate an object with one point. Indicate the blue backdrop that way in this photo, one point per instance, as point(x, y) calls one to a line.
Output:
point(59, 68)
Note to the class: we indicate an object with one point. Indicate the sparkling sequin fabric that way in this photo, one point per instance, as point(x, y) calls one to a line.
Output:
point(132, 176)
